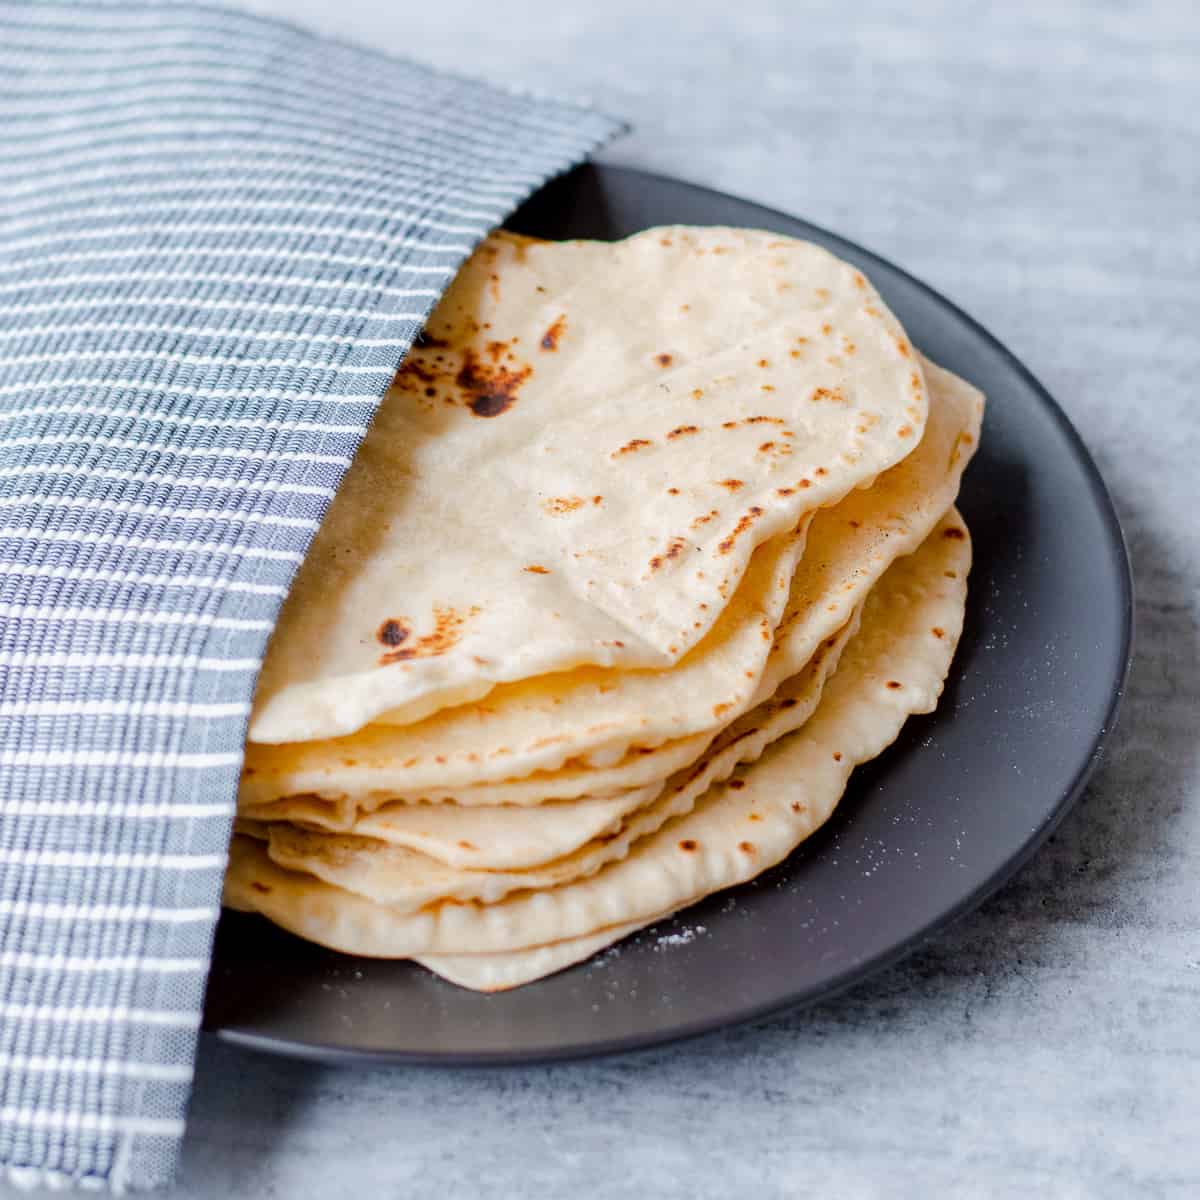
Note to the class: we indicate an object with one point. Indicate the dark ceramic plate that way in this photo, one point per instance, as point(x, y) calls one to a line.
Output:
point(948, 814)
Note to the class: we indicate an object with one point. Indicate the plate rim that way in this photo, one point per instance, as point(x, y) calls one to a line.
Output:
point(859, 972)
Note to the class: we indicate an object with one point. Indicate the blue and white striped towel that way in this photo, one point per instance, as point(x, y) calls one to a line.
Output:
point(218, 236)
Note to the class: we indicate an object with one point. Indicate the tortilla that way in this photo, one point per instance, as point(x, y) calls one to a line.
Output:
point(895, 666)
point(381, 867)
point(576, 464)
point(617, 730)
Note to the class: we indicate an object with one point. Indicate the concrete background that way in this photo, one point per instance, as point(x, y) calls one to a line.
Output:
point(1041, 166)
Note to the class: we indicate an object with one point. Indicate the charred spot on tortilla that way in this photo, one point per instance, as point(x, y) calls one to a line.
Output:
point(392, 632)
point(550, 338)
point(490, 389)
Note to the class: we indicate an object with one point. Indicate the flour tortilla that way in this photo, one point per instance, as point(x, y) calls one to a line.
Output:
point(543, 722)
point(501, 972)
point(503, 838)
point(510, 749)
point(576, 464)
point(392, 874)
point(895, 666)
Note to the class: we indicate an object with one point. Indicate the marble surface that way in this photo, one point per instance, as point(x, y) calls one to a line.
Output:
point(1041, 166)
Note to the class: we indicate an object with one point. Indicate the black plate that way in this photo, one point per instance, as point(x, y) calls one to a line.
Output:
point(924, 833)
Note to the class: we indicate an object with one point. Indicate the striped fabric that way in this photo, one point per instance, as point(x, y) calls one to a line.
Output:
point(218, 235)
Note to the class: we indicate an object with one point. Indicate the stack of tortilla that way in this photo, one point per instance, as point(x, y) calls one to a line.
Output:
point(650, 544)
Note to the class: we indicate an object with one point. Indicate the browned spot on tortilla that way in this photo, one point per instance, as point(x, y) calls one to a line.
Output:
point(468, 846)
point(767, 447)
point(534, 569)
point(859, 281)
point(737, 784)
point(597, 499)
point(785, 491)
point(410, 762)
point(790, 702)
point(413, 371)
point(832, 395)
point(766, 387)
point(663, 360)
point(848, 347)
point(950, 574)
point(754, 817)
point(914, 382)
point(490, 390)
point(905, 431)
point(902, 346)
point(697, 393)
point(746, 847)
point(894, 684)
point(764, 362)
point(718, 709)
point(557, 505)
point(392, 632)
point(954, 533)
point(870, 310)
point(820, 471)
point(803, 483)
point(260, 887)
point(797, 807)
point(494, 286)
point(674, 549)
point(938, 631)
point(630, 447)
point(732, 484)
point(681, 430)
point(826, 329)
point(746, 521)
point(837, 756)
point(687, 844)
point(704, 520)
point(855, 524)
point(665, 241)
point(672, 491)
point(439, 758)
point(448, 626)
point(551, 337)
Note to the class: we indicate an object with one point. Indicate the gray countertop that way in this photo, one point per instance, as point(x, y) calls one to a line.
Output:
point(1041, 166)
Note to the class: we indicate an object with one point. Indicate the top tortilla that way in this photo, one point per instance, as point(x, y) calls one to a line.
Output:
point(576, 464)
